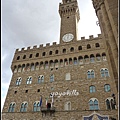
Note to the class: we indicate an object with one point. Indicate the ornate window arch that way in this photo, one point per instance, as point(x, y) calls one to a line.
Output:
point(104, 72)
point(29, 80)
point(107, 88)
point(18, 81)
point(93, 104)
point(90, 74)
point(92, 89)
point(12, 107)
point(40, 78)
point(24, 106)
point(36, 106)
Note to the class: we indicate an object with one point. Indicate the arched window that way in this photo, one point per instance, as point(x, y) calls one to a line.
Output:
point(88, 46)
point(56, 52)
point(40, 78)
point(15, 69)
point(98, 57)
point(61, 63)
point(75, 61)
point(11, 107)
point(80, 58)
point(107, 88)
point(37, 54)
point(110, 103)
point(86, 59)
point(50, 53)
point(90, 74)
point(18, 57)
point(92, 58)
point(28, 67)
point(32, 67)
point(104, 72)
point(72, 49)
point(29, 80)
point(56, 64)
point(19, 68)
point(18, 81)
point(66, 62)
point(24, 106)
point(97, 45)
point(104, 57)
point(93, 104)
point(67, 76)
point(67, 106)
point(92, 89)
point(80, 48)
point(23, 67)
point(30, 56)
point(64, 50)
point(43, 54)
point(51, 64)
point(24, 56)
point(41, 65)
point(46, 65)
point(70, 61)
point(51, 78)
point(36, 106)
point(37, 66)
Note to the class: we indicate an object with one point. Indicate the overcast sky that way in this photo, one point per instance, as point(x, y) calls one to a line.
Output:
point(34, 22)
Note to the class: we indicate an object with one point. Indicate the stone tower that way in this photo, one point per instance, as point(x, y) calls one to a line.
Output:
point(69, 13)
point(107, 13)
point(72, 80)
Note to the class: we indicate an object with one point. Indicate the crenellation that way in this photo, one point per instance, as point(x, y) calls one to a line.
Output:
point(41, 46)
point(54, 43)
point(22, 49)
point(82, 38)
point(34, 47)
point(47, 44)
point(99, 35)
point(28, 48)
point(91, 36)
point(17, 50)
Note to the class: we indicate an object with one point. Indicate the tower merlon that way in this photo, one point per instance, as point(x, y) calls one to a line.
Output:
point(91, 36)
point(47, 44)
point(82, 38)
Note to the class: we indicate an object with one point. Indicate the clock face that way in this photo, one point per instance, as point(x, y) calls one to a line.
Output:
point(67, 37)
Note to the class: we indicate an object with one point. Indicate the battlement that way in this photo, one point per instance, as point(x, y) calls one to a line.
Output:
point(91, 37)
point(35, 47)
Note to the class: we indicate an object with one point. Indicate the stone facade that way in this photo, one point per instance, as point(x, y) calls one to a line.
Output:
point(69, 66)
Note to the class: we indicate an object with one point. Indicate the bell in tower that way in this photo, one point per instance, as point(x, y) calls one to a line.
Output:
point(69, 13)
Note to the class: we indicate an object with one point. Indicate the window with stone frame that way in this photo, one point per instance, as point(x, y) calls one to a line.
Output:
point(18, 81)
point(90, 74)
point(92, 89)
point(110, 103)
point(93, 104)
point(107, 88)
point(36, 106)
point(29, 80)
point(40, 78)
point(12, 107)
point(67, 76)
point(104, 72)
point(24, 106)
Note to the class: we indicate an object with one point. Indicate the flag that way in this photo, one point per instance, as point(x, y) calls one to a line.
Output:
point(46, 101)
point(40, 101)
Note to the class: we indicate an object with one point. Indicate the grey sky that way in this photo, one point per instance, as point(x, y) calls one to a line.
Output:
point(34, 22)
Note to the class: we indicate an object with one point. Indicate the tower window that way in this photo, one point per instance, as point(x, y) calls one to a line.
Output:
point(40, 79)
point(104, 72)
point(43, 54)
point(88, 46)
point(18, 81)
point(90, 74)
point(67, 106)
point(38, 90)
point(26, 91)
point(51, 78)
point(97, 45)
point(15, 92)
point(50, 53)
point(30, 56)
point(56, 52)
point(67, 76)
point(71, 49)
point(64, 50)
point(18, 57)
point(80, 48)
point(110, 103)
point(29, 80)
point(67, 17)
point(37, 54)
point(24, 56)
